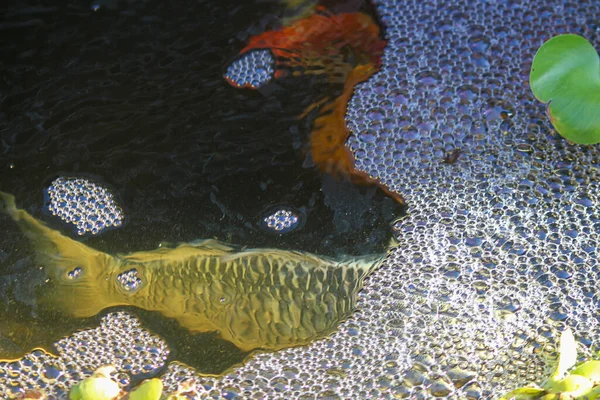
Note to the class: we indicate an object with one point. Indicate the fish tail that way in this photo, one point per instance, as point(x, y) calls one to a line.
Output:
point(76, 273)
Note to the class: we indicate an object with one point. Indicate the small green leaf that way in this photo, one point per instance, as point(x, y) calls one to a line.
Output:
point(590, 370)
point(566, 74)
point(149, 390)
point(99, 386)
point(524, 393)
point(567, 357)
point(592, 394)
point(574, 385)
point(95, 388)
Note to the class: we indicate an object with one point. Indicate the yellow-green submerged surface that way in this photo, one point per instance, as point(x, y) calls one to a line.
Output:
point(254, 298)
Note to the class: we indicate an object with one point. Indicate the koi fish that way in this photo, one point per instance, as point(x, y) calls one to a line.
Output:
point(254, 298)
point(344, 47)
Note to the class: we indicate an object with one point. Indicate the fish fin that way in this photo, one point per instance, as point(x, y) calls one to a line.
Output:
point(146, 256)
point(367, 264)
point(275, 254)
point(59, 256)
point(210, 244)
point(50, 245)
point(204, 247)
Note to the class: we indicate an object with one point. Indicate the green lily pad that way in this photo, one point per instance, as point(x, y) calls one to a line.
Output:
point(566, 74)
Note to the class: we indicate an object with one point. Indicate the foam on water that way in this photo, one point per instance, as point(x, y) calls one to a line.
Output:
point(498, 252)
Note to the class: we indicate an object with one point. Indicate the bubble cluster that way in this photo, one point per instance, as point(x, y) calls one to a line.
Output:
point(74, 273)
point(281, 221)
point(499, 250)
point(129, 280)
point(118, 341)
point(86, 205)
point(252, 69)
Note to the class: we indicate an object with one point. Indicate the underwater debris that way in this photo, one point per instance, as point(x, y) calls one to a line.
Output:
point(34, 394)
point(452, 156)
point(254, 298)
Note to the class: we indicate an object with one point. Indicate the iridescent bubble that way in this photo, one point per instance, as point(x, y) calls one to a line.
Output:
point(89, 207)
point(74, 273)
point(282, 220)
point(129, 280)
point(253, 69)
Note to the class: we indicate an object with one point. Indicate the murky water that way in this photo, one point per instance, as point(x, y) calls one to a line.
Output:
point(136, 96)
point(131, 96)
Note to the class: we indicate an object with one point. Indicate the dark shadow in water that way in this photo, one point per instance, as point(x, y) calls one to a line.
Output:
point(208, 353)
point(136, 96)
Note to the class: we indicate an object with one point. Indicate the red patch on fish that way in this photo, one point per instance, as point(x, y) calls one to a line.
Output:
point(347, 49)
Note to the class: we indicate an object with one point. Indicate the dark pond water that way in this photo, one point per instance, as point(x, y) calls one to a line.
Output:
point(131, 94)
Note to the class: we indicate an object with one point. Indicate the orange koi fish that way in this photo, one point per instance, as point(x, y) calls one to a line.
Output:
point(347, 49)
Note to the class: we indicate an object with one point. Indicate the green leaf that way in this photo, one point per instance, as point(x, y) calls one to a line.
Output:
point(566, 74)
point(567, 357)
point(524, 393)
point(592, 394)
point(590, 370)
point(99, 386)
point(95, 388)
point(149, 390)
point(574, 385)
